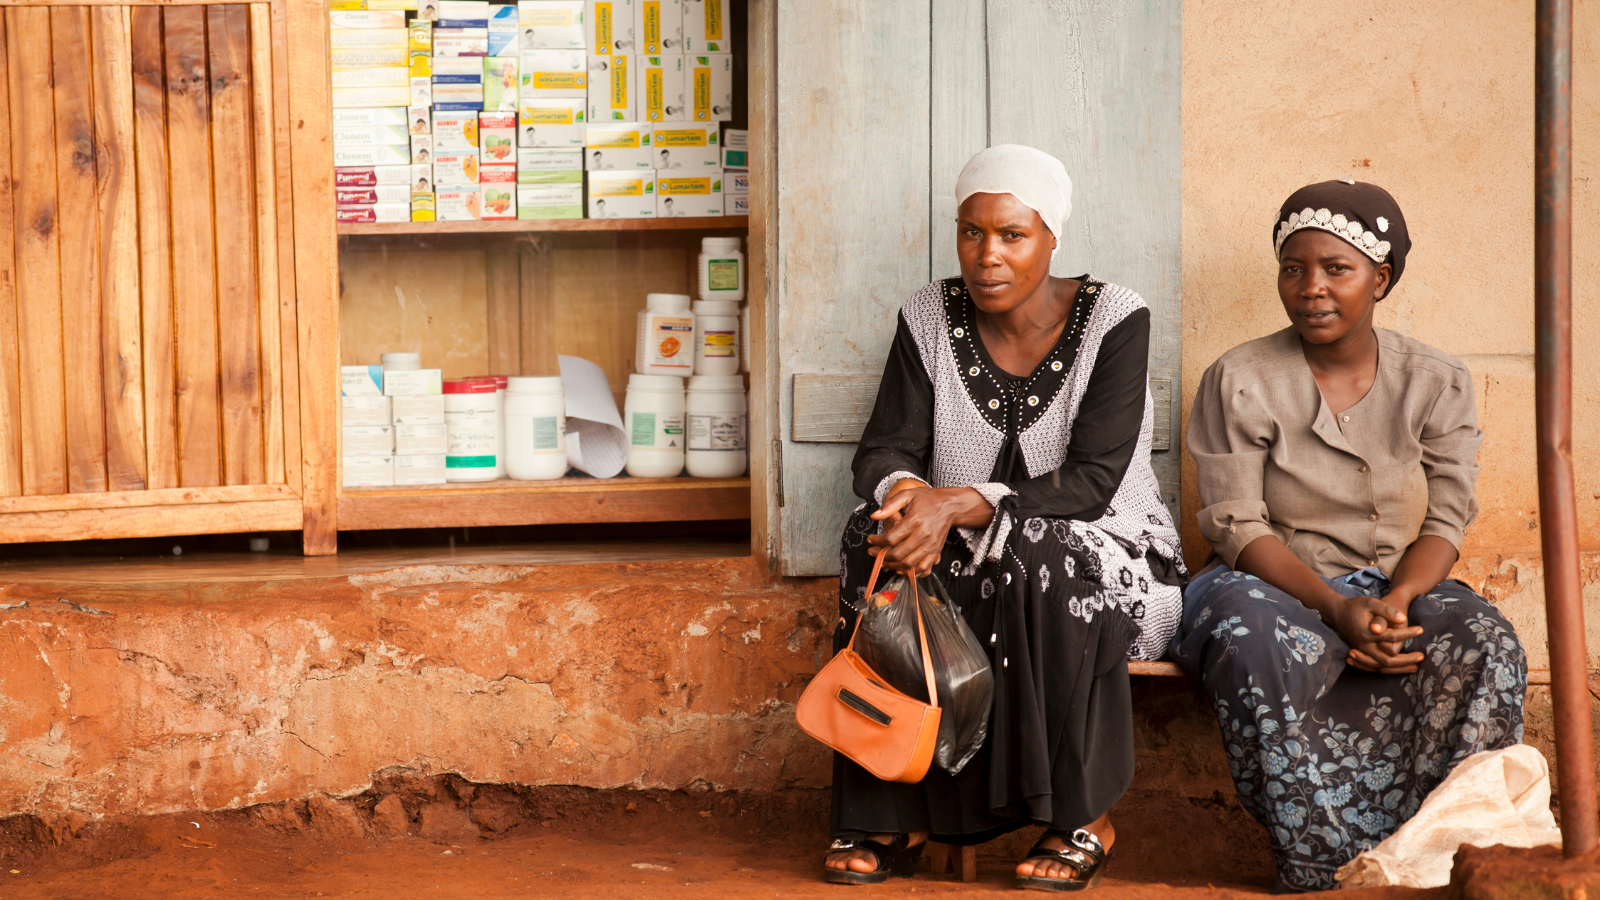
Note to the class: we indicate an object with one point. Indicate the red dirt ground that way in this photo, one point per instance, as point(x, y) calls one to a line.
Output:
point(442, 837)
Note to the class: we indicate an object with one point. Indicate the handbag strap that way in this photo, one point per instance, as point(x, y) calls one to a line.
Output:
point(922, 633)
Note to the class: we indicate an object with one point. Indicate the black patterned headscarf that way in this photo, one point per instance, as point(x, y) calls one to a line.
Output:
point(1363, 215)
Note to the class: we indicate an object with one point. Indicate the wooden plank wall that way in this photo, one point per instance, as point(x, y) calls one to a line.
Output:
point(140, 331)
point(917, 88)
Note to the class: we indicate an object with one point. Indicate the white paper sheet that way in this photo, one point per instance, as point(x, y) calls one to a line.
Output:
point(596, 443)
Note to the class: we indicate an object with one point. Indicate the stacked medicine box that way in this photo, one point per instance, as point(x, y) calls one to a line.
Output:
point(393, 427)
point(460, 47)
point(371, 141)
point(552, 108)
point(419, 117)
point(653, 147)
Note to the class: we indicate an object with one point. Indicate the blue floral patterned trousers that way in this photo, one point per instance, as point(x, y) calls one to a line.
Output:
point(1329, 758)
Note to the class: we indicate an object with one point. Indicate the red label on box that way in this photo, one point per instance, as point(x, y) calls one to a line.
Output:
point(355, 197)
point(497, 175)
point(354, 177)
point(355, 214)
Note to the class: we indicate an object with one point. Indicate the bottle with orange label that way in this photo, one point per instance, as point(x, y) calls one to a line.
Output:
point(666, 336)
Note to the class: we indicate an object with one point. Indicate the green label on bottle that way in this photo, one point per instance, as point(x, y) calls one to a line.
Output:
point(469, 462)
point(644, 429)
point(545, 435)
point(724, 274)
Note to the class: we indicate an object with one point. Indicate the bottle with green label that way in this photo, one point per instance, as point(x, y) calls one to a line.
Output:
point(721, 269)
point(654, 411)
point(536, 428)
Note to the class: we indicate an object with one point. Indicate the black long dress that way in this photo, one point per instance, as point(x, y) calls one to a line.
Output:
point(1079, 568)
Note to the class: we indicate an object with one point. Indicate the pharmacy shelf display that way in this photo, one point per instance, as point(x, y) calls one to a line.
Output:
point(704, 223)
point(559, 502)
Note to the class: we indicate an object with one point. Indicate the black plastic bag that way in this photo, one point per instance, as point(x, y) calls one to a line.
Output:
point(961, 672)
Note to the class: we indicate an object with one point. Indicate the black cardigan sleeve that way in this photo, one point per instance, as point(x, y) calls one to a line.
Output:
point(1104, 435)
point(899, 436)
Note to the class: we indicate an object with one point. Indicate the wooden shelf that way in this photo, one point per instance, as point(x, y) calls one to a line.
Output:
point(560, 502)
point(701, 223)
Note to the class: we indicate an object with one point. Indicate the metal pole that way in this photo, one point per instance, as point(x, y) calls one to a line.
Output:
point(1558, 512)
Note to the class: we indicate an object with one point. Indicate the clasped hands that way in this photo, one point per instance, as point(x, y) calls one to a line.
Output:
point(1377, 630)
point(916, 521)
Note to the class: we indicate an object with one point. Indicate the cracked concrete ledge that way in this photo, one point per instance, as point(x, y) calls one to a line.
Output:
point(647, 675)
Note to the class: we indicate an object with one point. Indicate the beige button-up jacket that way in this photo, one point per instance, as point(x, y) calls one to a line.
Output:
point(1343, 492)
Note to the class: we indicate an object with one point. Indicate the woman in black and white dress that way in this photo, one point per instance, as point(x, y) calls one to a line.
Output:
point(1009, 451)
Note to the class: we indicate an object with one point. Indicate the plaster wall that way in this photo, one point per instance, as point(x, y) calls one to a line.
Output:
point(1433, 100)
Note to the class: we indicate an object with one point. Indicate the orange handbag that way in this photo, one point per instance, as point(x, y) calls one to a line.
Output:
point(849, 708)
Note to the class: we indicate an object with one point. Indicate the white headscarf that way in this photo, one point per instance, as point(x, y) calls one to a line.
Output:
point(1033, 176)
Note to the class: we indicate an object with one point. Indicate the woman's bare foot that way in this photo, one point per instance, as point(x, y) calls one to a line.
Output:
point(1051, 868)
point(861, 860)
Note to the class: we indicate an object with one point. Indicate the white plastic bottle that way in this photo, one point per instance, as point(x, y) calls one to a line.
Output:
point(654, 412)
point(715, 423)
point(721, 269)
point(666, 333)
point(716, 337)
point(536, 428)
point(400, 362)
point(472, 430)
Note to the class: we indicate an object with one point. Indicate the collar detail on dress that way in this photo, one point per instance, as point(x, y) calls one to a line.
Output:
point(1008, 403)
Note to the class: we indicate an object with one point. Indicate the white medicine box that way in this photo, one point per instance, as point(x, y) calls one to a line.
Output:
point(551, 25)
point(555, 73)
point(706, 26)
point(608, 26)
point(552, 122)
point(658, 26)
point(361, 381)
point(686, 145)
point(364, 410)
point(611, 88)
point(622, 195)
point(619, 145)
point(662, 91)
point(368, 471)
point(711, 87)
point(689, 194)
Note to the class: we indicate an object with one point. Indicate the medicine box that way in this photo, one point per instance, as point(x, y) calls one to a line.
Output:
point(421, 119)
point(679, 196)
point(368, 471)
point(550, 201)
point(498, 190)
point(378, 76)
point(455, 132)
point(421, 91)
point(367, 38)
point(361, 381)
point(371, 155)
point(469, 68)
point(444, 94)
point(391, 4)
point(503, 17)
point(364, 58)
point(459, 204)
point(551, 25)
point(368, 440)
point(540, 160)
point(377, 212)
point(366, 196)
point(419, 36)
point(423, 207)
point(428, 468)
point(611, 92)
point(658, 26)
point(383, 115)
point(422, 148)
point(421, 178)
point(365, 410)
point(388, 18)
point(736, 181)
point(501, 85)
point(427, 10)
point(371, 134)
point(735, 148)
point(412, 439)
point(554, 73)
point(706, 27)
point(661, 89)
point(497, 138)
point(372, 176)
point(711, 87)
point(619, 145)
point(504, 43)
point(460, 42)
point(686, 145)
point(477, 10)
point(419, 409)
point(553, 122)
point(406, 382)
point(609, 26)
point(736, 204)
point(622, 195)
point(361, 97)
point(455, 170)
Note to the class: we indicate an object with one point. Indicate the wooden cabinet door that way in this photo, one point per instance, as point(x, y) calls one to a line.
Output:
point(878, 108)
point(147, 316)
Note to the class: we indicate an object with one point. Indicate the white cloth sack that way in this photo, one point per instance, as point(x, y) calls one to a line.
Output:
point(1493, 797)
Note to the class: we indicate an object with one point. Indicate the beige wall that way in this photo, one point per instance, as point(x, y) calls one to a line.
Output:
point(1434, 101)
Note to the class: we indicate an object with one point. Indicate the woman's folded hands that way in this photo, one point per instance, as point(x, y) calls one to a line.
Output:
point(917, 519)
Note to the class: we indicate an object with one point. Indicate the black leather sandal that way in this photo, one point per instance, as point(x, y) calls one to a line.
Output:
point(1084, 853)
point(896, 859)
